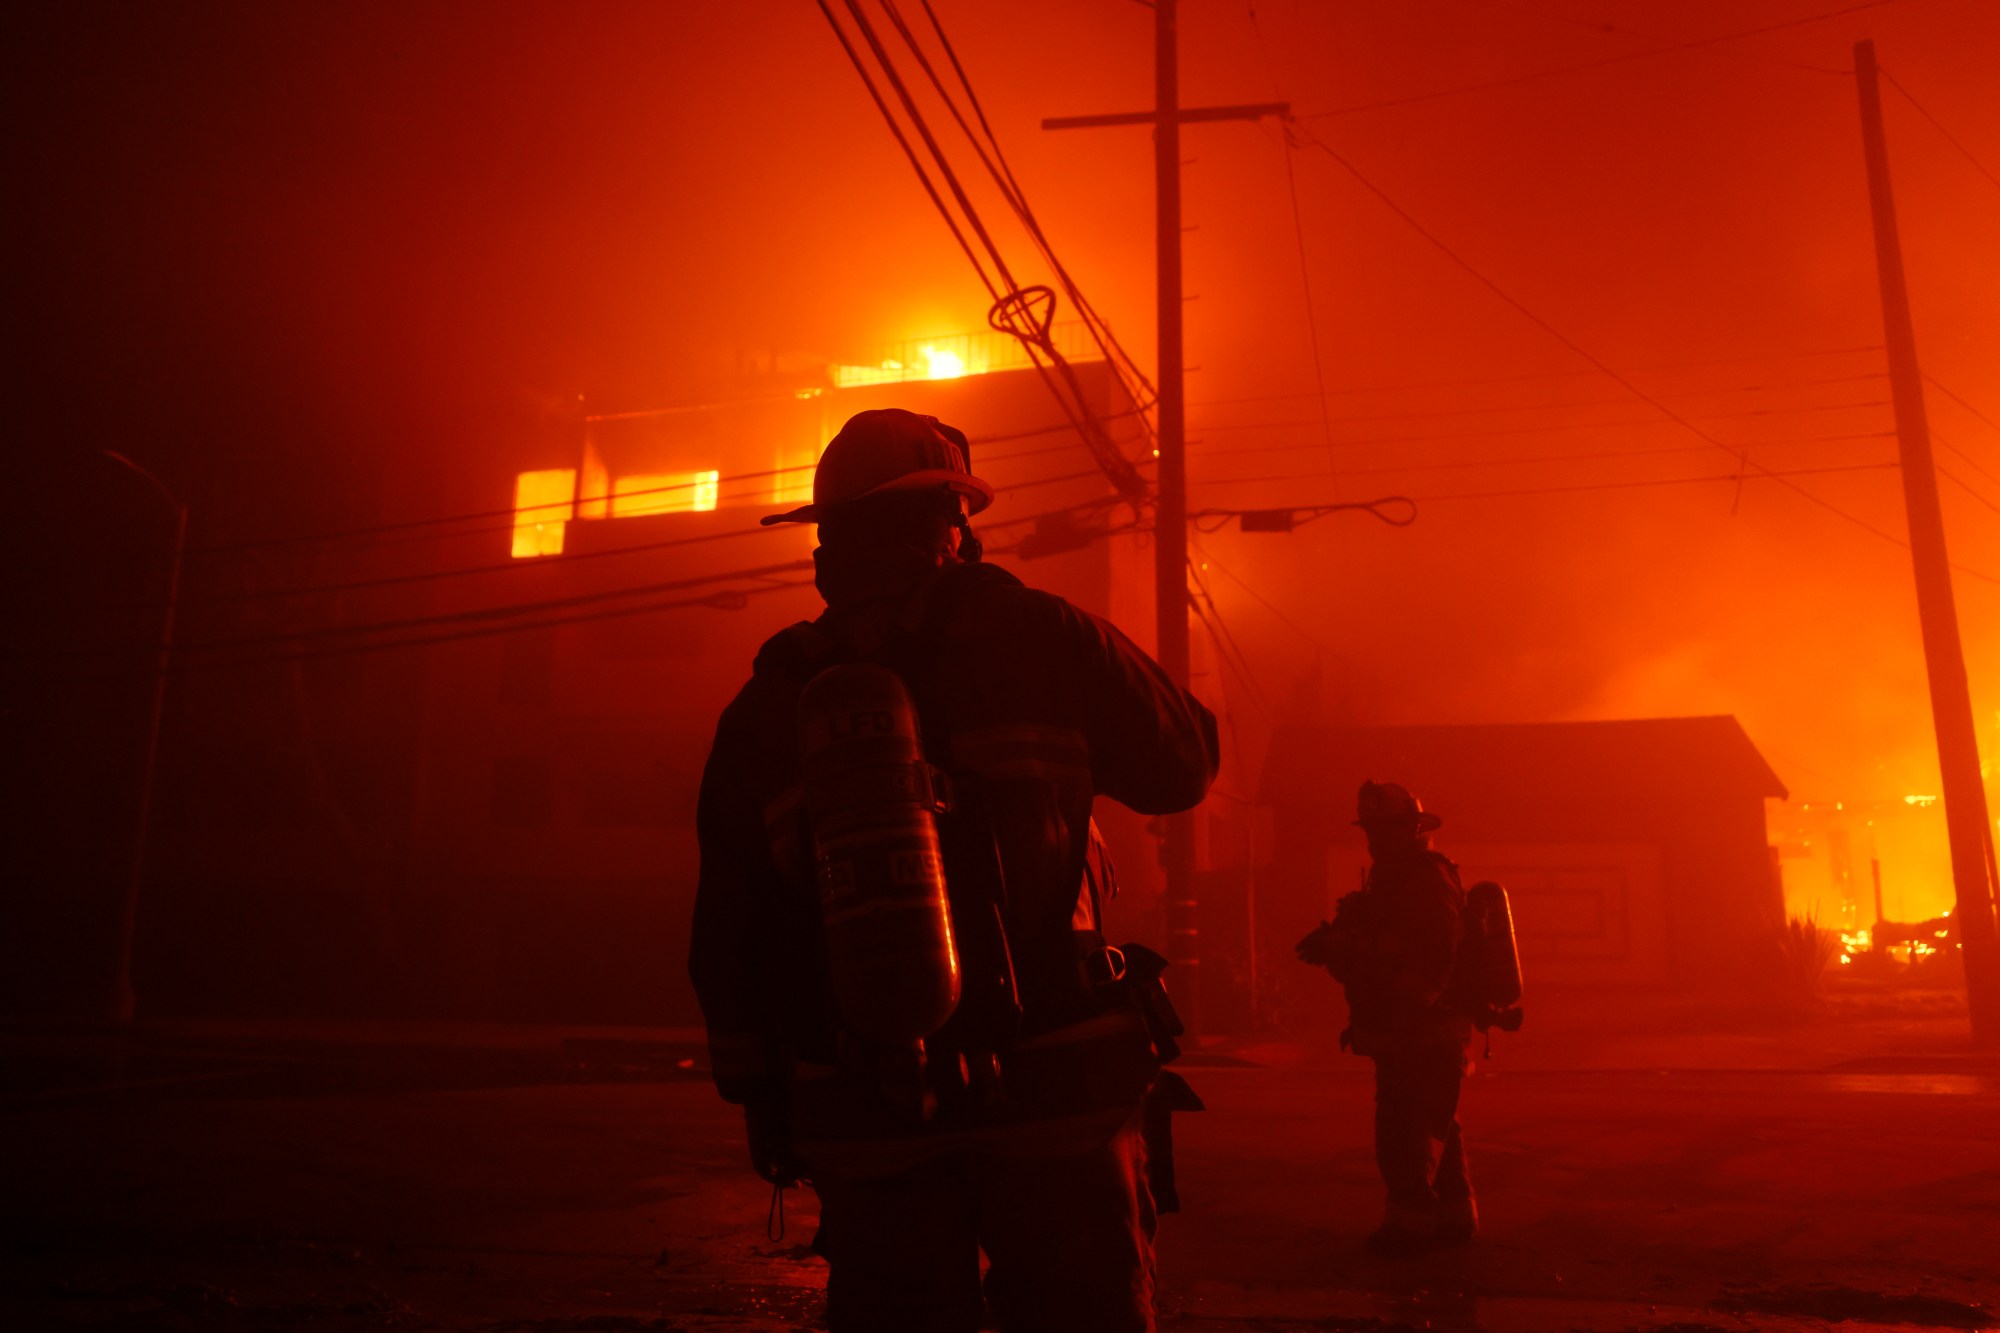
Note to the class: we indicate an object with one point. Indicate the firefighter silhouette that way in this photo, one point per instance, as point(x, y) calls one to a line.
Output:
point(1422, 961)
point(897, 938)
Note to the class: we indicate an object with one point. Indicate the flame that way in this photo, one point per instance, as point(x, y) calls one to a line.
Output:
point(942, 365)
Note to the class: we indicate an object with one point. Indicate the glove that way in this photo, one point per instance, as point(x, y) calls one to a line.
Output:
point(1316, 949)
point(767, 1123)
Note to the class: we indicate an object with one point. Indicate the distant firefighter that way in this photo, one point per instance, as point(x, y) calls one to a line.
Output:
point(1421, 961)
point(897, 937)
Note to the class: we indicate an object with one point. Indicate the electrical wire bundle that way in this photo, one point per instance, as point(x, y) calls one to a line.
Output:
point(1027, 312)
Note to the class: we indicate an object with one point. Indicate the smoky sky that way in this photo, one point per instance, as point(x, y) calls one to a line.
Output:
point(309, 259)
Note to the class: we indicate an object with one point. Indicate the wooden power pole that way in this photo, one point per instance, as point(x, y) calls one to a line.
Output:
point(1170, 513)
point(1966, 820)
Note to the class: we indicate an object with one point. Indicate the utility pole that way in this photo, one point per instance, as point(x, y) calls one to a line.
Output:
point(1967, 823)
point(122, 1003)
point(1170, 512)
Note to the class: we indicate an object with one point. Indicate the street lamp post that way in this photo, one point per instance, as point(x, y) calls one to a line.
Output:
point(123, 1000)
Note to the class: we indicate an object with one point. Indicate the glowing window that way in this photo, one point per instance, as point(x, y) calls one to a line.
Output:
point(665, 493)
point(541, 507)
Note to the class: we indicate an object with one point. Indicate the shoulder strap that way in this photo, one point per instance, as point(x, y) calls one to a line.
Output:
point(800, 651)
point(1450, 869)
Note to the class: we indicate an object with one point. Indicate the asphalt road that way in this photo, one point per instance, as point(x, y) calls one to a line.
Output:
point(1613, 1199)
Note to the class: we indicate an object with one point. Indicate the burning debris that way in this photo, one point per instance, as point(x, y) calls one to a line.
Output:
point(1899, 943)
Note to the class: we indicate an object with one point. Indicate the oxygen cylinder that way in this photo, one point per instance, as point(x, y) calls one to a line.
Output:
point(1490, 928)
point(870, 800)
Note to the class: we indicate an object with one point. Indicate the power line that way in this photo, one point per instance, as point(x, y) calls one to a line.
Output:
point(727, 599)
point(1530, 460)
point(733, 599)
point(1299, 235)
point(1020, 306)
point(1539, 428)
point(487, 613)
point(1596, 26)
point(916, 163)
point(922, 127)
point(1287, 518)
point(1948, 392)
point(1970, 461)
point(1761, 473)
point(512, 516)
point(517, 609)
point(1023, 312)
point(1115, 354)
point(1545, 407)
point(569, 557)
point(1587, 374)
point(1268, 605)
point(637, 548)
point(1967, 487)
point(1742, 457)
point(1226, 647)
point(1537, 75)
point(513, 512)
point(1938, 125)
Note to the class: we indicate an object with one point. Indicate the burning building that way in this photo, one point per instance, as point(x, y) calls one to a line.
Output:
point(551, 735)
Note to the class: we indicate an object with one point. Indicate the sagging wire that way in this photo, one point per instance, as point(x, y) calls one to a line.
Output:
point(1226, 647)
point(1938, 125)
point(916, 164)
point(522, 617)
point(1535, 75)
point(1326, 654)
point(1745, 465)
point(730, 599)
point(1308, 139)
point(1515, 460)
point(1299, 235)
point(407, 531)
point(1643, 483)
point(567, 557)
point(1100, 328)
point(1288, 518)
point(1026, 313)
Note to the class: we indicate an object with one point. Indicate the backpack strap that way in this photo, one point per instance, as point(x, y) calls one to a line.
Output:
point(798, 651)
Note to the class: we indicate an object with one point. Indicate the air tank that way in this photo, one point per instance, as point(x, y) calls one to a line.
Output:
point(871, 801)
point(1490, 931)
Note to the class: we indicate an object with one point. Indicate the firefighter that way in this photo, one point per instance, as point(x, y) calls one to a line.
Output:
point(1395, 947)
point(1016, 1127)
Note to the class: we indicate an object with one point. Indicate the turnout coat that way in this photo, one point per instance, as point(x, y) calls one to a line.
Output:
point(1033, 708)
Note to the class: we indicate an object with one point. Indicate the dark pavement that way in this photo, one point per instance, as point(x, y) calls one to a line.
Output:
point(525, 1183)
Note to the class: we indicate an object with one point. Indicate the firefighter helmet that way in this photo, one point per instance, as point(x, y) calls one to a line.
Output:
point(1391, 802)
point(888, 449)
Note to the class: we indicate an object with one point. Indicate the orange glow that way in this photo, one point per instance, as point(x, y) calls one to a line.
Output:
point(542, 503)
point(665, 493)
point(890, 371)
point(592, 491)
point(792, 482)
point(953, 356)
